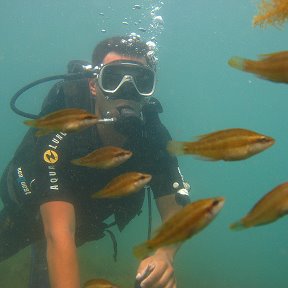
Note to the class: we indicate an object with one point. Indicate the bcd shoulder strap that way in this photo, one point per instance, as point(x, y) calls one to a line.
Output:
point(70, 93)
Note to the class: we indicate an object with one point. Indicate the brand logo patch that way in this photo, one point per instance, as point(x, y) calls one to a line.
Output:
point(50, 156)
point(22, 181)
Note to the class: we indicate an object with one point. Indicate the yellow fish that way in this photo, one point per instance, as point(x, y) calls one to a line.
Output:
point(65, 120)
point(104, 158)
point(268, 209)
point(273, 67)
point(273, 12)
point(99, 283)
point(123, 185)
point(228, 145)
point(184, 224)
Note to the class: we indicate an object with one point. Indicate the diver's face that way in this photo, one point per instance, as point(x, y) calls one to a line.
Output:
point(126, 101)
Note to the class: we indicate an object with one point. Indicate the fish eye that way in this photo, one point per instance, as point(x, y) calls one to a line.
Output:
point(263, 139)
point(215, 202)
point(144, 177)
point(124, 153)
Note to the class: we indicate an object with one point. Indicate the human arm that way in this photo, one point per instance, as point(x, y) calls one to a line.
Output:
point(59, 226)
point(161, 262)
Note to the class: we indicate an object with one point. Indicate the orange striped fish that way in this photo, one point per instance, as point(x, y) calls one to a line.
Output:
point(184, 224)
point(273, 67)
point(123, 185)
point(99, 283)
point(65, 120)
point(104, 158)
point(228, 145)
point(267, 210)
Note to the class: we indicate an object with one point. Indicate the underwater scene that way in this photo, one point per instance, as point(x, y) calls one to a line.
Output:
point(197, 45)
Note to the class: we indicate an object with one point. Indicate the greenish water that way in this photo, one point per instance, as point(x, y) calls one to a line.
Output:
point(200, 93)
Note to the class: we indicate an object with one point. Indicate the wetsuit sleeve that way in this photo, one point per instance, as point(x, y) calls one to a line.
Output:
point(166, 175)
point(167, 179)
point(52, 156)
point(36, 172)
point(53, 181)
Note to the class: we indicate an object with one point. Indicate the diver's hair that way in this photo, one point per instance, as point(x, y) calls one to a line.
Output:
point(123, 45)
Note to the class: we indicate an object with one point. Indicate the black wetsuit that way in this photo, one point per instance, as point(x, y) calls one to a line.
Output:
point(41, 171)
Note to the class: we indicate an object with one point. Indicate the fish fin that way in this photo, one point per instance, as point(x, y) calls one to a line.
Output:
point(32, 123)
point(199, 137)
point(178, 148)
point(237, 62)
point(141, 251)
point(237, 226)
point(205, 158)
point(175, 148)
point(205, 136)
point(273, 57)
point(42, 132)
point(80, 162)
point(76, 162)
point(96, 195)
point(266, 57)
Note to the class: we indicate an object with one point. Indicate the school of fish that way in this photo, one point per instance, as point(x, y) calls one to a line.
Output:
point(232, 144)
point(272, 67)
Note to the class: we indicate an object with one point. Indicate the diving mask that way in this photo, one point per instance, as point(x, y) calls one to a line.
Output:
point(113, 75)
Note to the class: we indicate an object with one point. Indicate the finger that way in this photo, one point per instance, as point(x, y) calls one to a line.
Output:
point(157, 280)
point(171, 284)
point(167, 282)
point(150, 280)
point(147, 271)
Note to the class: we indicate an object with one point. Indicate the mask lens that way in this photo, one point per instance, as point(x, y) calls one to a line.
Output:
point(144, 80)
point(111, 78)
point(112, 75)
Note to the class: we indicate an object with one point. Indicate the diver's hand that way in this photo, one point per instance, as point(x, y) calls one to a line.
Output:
point(156, 272)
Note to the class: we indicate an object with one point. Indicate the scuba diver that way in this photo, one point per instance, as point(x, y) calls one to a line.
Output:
point(47, 200)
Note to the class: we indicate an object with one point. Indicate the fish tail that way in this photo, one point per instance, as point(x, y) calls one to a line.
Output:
point(237, 63)
point(81, 162)
point(42, 132)
point(175, 147)
point(141, 251)
point(96, 195)
point(32, 123)
point(75, 162)
point(237, 226)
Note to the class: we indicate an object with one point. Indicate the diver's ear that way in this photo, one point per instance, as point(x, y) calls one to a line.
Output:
point(92, 87)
